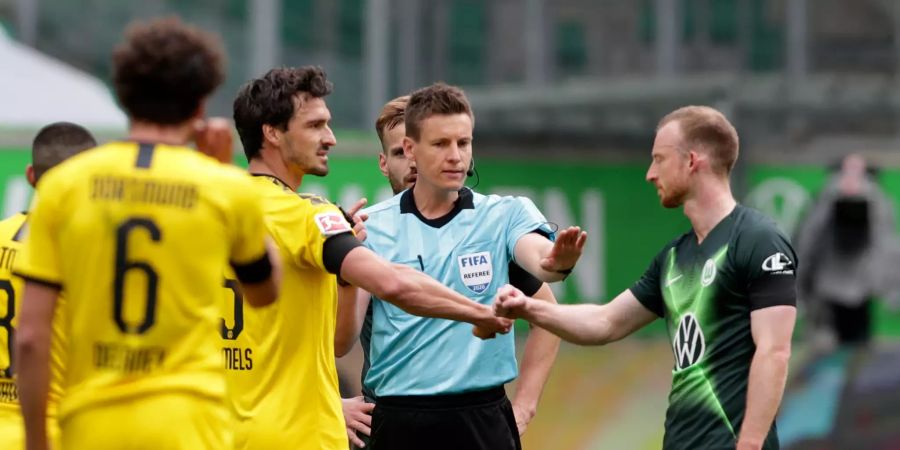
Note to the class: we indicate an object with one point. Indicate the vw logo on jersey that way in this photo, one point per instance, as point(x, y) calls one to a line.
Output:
point(709, 272)
point(689, 344)
point(476, 271)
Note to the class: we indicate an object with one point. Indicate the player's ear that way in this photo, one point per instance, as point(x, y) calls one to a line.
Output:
point(382, 163)
point(271, 135)
point(29, 174)
point(408, 145)
point(693, 160)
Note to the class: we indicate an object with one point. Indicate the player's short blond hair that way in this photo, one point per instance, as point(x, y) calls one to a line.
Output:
point(708, 129)
point(392, 114)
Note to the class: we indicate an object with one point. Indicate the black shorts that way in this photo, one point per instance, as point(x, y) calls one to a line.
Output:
point(481, 420)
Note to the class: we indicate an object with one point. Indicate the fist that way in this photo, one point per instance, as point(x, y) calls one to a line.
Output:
point(510, 303)
point(488, 328)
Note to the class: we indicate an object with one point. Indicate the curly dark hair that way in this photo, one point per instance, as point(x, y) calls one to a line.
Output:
point(164, 69)
point(436, 100)
point(270, 101)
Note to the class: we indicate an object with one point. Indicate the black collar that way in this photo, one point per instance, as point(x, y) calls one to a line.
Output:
point(275, 180)
point(464, 201)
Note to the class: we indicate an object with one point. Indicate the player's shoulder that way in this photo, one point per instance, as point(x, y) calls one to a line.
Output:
point(200, 166)
point(225, 173)
point(495, 201)
point(83, 162)
point(11, 225)
point(752, 226)
point(315, 201)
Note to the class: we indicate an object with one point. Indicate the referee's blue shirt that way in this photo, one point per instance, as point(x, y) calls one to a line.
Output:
point(468, 250)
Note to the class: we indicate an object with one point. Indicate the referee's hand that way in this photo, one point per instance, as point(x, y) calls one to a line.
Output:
point(566, 250)
point(490, 325)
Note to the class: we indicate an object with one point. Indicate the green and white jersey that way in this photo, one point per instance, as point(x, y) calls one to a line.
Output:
point(706, 292)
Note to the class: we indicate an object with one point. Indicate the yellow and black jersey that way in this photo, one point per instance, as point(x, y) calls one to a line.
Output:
point(281, 372)
point(137, 237)
point(12, 232)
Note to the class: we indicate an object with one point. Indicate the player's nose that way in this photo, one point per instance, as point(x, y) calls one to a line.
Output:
point(328, 140)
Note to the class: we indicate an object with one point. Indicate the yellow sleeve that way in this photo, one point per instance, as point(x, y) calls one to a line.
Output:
point(304, 230)
point(249, 228)
point(39, 260)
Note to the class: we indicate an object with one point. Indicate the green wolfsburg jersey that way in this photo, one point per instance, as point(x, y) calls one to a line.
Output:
point(706, 293)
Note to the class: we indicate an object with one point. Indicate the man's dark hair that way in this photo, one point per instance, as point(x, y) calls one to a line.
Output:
point(57, 142)
point(164, 69)
point(437, 99)
point(273, 99)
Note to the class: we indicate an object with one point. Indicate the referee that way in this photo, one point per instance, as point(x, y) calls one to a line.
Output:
point(435, 385)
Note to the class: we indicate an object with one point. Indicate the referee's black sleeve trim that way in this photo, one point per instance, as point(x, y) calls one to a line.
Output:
point(253, 272)
point(541, 232)
point(773, 290)
point(523, 281)
point(41, 281)
point(336, 249)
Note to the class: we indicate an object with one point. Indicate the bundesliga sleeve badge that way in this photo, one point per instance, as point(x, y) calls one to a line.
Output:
point(331, 223)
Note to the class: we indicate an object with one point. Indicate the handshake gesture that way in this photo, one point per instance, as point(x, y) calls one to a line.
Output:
point(511, 303)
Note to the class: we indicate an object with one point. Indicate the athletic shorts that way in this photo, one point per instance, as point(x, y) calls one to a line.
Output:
point(172, 421)
point(481, 420)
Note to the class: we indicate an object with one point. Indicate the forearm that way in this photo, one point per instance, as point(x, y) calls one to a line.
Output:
point(349, 321)
point(546, 276)
point(584, 324)
point(541, 348)
point(768, 373)
point(529, 258)
point(425, 297)
point(33, 375)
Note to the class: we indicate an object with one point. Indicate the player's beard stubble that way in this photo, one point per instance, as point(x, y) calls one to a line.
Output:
point(673, 195)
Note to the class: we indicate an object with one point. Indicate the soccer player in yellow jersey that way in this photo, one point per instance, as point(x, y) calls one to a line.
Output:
point(137, 235)
point(52, 145)
point(288, 396)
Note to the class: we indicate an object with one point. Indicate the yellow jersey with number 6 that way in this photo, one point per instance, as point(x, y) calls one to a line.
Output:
point(137, 237)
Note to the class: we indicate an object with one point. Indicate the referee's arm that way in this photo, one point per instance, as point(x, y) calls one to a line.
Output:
point(408, 289)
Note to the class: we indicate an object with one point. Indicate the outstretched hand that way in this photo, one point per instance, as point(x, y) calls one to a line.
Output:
point(566, 250)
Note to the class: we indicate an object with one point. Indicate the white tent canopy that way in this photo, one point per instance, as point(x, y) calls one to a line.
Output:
point(36, 89)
